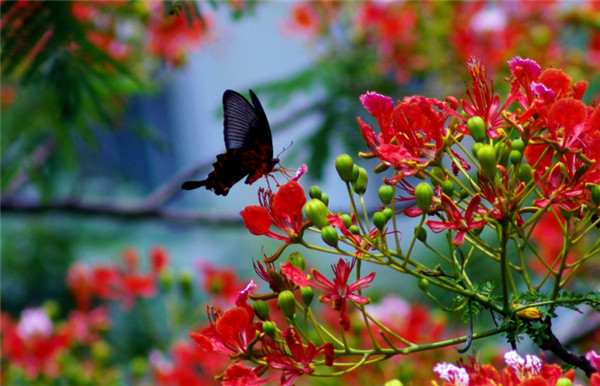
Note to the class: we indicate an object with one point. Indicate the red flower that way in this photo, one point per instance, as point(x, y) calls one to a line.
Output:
point(126, 283)
point(456, 221)
point(340, 291)
point(412, 133)
point(483, 102)
point(239, 375)
point(231, 331)
point(282, 210)
point(221, 284)
point(33, 345)
point(299, 360)
point(560, 188)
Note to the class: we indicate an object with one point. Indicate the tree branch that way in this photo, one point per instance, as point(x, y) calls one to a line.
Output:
point(122, 211)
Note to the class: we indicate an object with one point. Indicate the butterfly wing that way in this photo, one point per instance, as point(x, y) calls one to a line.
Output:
point(248, 142)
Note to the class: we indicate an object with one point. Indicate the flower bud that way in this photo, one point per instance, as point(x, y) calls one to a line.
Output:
point(423, 284)
point(475, 148)
point(388, 213)
point(261, 308)
point(314, 192)
point(421, 233)
point(269, 328)
point(165, 279)
point(525, 173)
point(347, 219)
point(487, 159)
point(307, 294)
point(360, 185)
point(528, 313)
point(515, 157)
point(438, 174)
point(423, 195)
point(502, 152)
point(317, 212)
point(138, 366)
point(276, 281)
point(355, 171)
point(386, 194)
point(286, 302)
point(595, 193)
point(101, 352)
point(517, 144)
point(563, 382)
point(393, 382)
point(324, 198)
point(343, 165)
point(185, 282)
point(329, 235)
point(297, 260)
point(448, 188)
point(476, 127)
point(379, 219)
point(354, 229)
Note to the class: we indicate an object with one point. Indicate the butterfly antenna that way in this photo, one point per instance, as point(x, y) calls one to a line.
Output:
point(284, 149)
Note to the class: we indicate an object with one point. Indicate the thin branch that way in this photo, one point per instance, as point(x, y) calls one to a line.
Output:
point(124, 211)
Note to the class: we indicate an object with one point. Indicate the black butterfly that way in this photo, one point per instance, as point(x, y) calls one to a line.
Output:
point(248, 142)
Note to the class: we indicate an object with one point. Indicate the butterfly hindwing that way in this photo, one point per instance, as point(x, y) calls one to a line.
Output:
point(248, 142)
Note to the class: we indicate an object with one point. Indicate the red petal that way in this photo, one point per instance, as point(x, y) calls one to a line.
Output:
point(257, 219)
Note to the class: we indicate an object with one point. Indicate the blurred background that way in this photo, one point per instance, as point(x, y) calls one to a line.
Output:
point(108, 106)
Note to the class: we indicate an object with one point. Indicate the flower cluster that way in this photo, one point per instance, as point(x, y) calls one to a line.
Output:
point(123, 283)
point(409, 36)
point(517, 167)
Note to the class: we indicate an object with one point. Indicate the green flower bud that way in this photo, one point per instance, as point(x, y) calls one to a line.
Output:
point(165, 279)
point(502, 152)
point(388, 213)
point(100, 352)
point(393, 382)
point(476, 127)
point(360, 185)
point(595, 194)
point(355, 171)
point(286, 302)
point(275, 279)
point(379, 219)
point(563, 382)
point(52, 309)
point(448, 188)
point(138, 366)
point(525, 173)
point(517, 144)
point(421, 233)
point(317, 212)
point(487, 159)
point(186, 279)
point(307, 294)
point(386, 194)
point(314, 192)
point(261, 308)
point(325, 198)
point(423, 195)
point(329, 235)
point(347, 219)
point(269, 328)
point(438, 174)
point(343, 165)
point(463, 193)
point(475, 148)
point(297, 260)
point(423, 284)
point(515, 157)
point(354, 229)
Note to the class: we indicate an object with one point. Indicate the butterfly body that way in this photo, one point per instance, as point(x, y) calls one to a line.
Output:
point(248, 142)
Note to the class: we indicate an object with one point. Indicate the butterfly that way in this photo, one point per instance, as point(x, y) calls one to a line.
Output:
point(248, 142)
